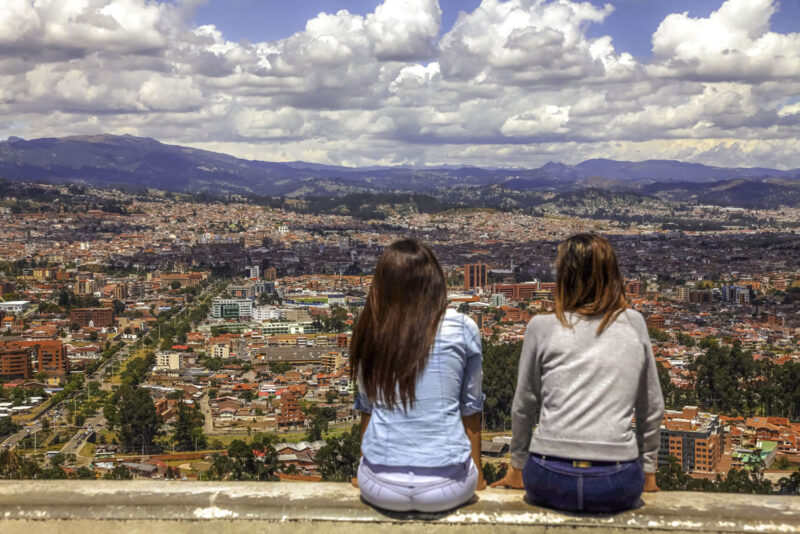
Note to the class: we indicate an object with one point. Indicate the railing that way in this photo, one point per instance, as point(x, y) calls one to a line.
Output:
point(84, 507)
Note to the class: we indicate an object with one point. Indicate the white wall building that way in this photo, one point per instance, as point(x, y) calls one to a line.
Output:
point(167, 361)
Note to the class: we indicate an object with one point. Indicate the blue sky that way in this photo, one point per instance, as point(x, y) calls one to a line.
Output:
point(515, 83)
point(631, 24)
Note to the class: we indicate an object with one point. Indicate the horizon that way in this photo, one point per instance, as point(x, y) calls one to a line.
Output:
point(410, 166)
point(500, 84)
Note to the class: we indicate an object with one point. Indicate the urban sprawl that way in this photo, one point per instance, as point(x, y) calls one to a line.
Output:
point(154, 342)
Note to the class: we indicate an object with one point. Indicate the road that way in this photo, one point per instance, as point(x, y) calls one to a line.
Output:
point(76, 442)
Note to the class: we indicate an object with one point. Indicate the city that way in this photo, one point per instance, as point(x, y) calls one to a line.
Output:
point(236, 236)
point(238, 330)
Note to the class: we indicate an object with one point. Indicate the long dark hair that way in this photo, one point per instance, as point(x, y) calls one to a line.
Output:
point(588, 280)
point(395, 331)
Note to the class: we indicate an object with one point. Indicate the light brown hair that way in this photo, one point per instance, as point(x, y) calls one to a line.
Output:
point(588, 280)
point(394, 333)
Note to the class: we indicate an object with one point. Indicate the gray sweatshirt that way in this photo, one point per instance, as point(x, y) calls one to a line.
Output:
point(586, 388)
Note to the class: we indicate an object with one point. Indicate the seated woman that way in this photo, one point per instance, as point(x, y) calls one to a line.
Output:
point(418, 366)
point(586, 370)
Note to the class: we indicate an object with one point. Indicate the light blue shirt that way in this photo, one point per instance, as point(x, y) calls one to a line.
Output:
point(431, 433)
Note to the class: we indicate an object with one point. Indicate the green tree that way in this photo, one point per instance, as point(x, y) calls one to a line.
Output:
point(189, 428)
point(132, 412)
point(318, 426)
point(338, 459)
point(119, 472)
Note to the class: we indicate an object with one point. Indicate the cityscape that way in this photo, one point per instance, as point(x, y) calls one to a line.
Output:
point(194, 197)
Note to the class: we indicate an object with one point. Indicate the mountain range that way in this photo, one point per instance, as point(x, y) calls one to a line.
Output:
point(110, 160)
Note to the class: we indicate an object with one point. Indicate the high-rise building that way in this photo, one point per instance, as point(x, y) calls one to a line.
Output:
point(15, 362)
point(290, 414)
point(475, 275)
point(696, 439)
point(270, 274)
point(253, 271)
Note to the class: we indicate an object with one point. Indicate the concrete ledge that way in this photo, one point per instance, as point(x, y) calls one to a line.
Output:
point(227, 507)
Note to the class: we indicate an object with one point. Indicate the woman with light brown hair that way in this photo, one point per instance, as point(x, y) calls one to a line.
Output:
point(585, 371)
point(418, 366)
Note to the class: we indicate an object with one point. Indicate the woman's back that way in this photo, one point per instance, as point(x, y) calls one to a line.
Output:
point(587, 386)
point(431, 433)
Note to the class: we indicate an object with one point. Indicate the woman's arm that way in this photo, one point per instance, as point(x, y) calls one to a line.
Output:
point(649, 413)
point(472, 425)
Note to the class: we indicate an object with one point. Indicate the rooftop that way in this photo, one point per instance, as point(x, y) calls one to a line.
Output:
point(228, 507)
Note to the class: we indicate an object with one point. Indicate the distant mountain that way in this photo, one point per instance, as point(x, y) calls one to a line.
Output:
point(108, 160)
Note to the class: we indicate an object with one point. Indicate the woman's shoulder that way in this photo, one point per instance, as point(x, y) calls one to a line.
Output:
point(458, 319)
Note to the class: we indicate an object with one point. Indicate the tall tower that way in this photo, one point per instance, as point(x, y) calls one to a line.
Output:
point(475, 275)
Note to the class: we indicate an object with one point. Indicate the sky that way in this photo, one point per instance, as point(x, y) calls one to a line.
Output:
point(500, 83)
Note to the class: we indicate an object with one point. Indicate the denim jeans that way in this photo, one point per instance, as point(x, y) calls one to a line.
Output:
point(422, 489)
point(603, 487)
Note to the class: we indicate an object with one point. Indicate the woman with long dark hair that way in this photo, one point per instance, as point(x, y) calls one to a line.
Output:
point(585, 371)
point(418, 366)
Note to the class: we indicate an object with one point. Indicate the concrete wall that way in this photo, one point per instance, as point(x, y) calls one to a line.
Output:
point(83, 507)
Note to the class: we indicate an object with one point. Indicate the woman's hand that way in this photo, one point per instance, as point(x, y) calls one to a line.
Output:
point(481, 484)
point(512, 479)
point(354, 482)
point(650, 482)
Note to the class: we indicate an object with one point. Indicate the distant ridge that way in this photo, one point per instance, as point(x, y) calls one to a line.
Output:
point(106, 160)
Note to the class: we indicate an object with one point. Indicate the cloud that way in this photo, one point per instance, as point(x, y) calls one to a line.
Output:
point(733, 43)
point(512, 83)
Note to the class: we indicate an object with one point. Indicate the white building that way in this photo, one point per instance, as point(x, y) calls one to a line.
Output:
point(231, 308)
point(15, 306)
point(167, 361)
point(267, 313)
point(221, 350)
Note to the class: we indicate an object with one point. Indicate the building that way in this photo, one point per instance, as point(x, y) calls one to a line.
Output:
point(333, 361)
point(253, 271)
point(15, 362)
point(476, 275)
point(96, 317)
point(85, 286)
point(655, 321)
point(271, 274)
point(633, 288)
point(222, 308)
point(221, 350)
point(289, 412)
point(736, 294)
point(241, 291)
point(167, 361)
point(700, 296)
point(695, 439)
point(50, 356)
point(524, 291)
point(15, 306)
point(267, 313)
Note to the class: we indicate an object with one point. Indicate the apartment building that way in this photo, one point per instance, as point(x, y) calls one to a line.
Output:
point(696, 439)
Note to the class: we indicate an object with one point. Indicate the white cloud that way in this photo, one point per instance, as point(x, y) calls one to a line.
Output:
point(733, 43)
point(514, 82)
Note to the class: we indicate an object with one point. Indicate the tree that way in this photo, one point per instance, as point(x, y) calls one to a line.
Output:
point(119, 472)
point(338, 459)
point(189, 428)
point(84, 473)
point(132, 412)
point(790, 485)
point(318, 426)
point(119, 307)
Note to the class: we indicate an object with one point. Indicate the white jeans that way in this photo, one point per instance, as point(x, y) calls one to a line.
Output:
point(423, 489)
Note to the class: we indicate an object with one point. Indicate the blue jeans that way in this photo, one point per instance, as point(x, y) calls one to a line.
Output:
point(603, 487)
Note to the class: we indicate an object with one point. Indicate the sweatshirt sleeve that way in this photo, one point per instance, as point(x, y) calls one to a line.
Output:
point(526, 400)
point(649, 408)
